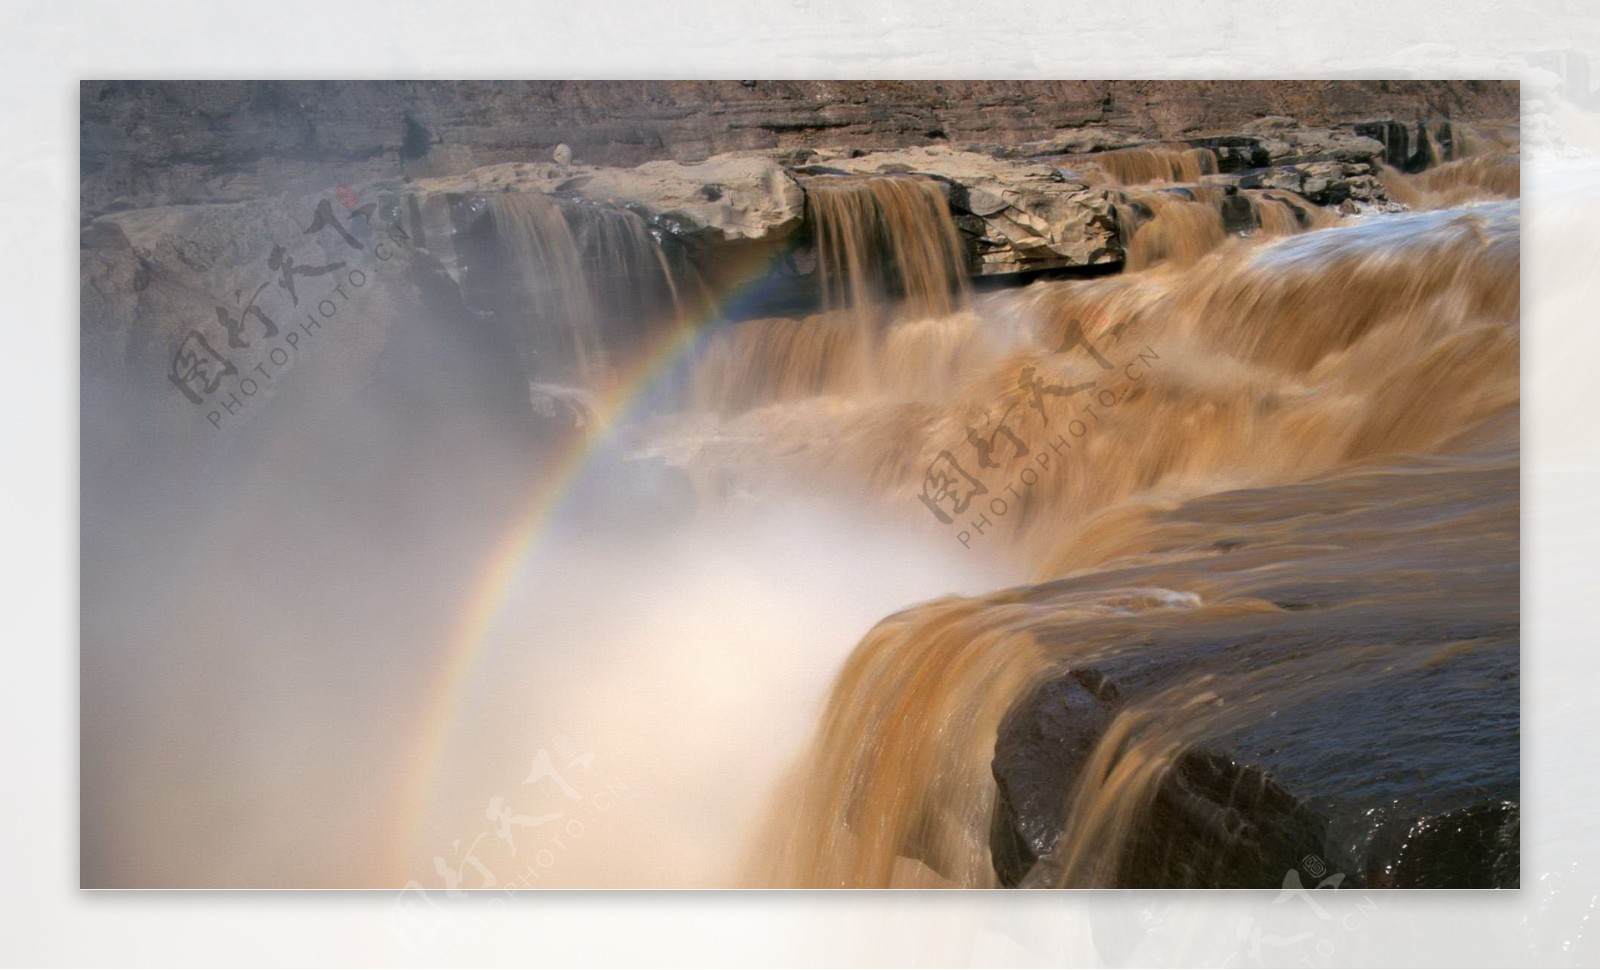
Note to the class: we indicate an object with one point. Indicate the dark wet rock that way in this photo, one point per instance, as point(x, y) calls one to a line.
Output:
point(1393, 135)
point(1474, 846)
point(1324, 182)
point(1368, 720)
point(1214, 823)
point(1235, 153)
point(818, 169)
point(1044, 743)
point(1435, 143)
point(1220, 822)
point(1237, 213)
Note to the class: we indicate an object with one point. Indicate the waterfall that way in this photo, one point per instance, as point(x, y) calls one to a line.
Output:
point(559, 329)
point(1341, 347)
point(786, 604)
point(883, 237)
point(1179, 225)
point(587, 283)
point(1133, 166)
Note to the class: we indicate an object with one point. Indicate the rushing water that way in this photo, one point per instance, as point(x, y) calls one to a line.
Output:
point(1264, 482)
point(1295, 361)
point(881, 235)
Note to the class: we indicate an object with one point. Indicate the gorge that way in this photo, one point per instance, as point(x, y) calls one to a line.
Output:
point(1124, 493)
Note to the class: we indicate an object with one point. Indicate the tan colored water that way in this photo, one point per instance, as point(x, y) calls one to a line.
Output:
point(1136, 166)
point(555, 288)
point(576, 275)
point(907, 511)
point(881, 235)
point(1058, 426)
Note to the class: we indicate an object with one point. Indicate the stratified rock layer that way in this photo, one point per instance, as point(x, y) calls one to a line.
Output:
point(164, 142)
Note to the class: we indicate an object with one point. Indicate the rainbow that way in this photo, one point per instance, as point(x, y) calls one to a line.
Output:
point(548, 492)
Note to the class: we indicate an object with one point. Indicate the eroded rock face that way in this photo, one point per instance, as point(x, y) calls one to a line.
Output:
point(1329, 165)
point(1324, 182)
point(731, 215)
point(1016, 216)
point(1325, 165)
point(209, 312)
point(736, 217)
point(166, 142)
point(739, 209)
point(1285, 141)
point(729, 198)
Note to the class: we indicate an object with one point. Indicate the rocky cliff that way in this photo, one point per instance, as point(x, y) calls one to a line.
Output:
point(164, 142)
point(210, 210)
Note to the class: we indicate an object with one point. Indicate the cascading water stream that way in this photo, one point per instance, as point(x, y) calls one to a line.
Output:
point(1135, 166)
point(1264, 364)
point(559, 330)
point(787, 622)
point(586, 284)
point(884, 237)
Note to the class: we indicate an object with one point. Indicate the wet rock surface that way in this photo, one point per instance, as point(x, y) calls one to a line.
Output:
point(1324, 183)
point(1359, 731)
point(1214, 823)
point(1285, 141)
point(1044, 744)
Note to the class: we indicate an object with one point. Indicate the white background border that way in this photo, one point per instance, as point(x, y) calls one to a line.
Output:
point(49, 46)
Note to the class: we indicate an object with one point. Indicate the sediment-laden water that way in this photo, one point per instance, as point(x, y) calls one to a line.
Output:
point(1178, 576)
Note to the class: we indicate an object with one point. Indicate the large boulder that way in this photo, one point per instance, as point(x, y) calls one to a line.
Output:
point(1224, 817)
point(1322, 717)
point(1213, 822)
point(1044, 743)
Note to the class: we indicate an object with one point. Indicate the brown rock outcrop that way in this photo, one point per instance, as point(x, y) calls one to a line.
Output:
point(163, 142)
point(1015, 216)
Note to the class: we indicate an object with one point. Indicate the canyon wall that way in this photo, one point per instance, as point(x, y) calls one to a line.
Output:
point(165, 142)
